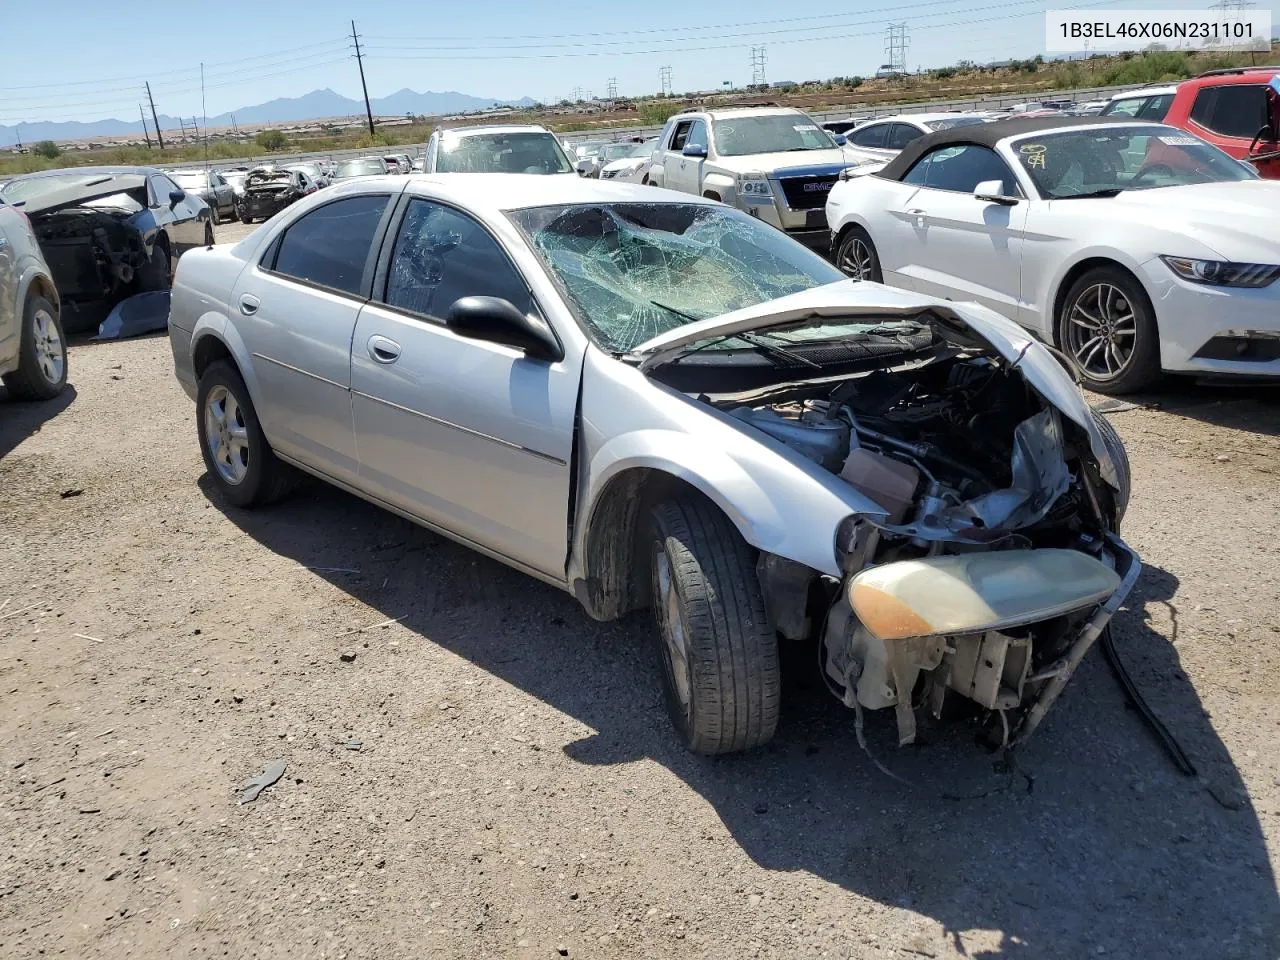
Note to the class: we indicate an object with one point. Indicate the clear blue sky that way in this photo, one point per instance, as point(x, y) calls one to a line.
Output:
point(92, 57)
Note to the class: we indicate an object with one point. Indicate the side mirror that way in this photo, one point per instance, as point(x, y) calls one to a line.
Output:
point(694, 150)
point(177, 196)
point(583, 167)
point(991, 191)
point(499, 321)
point(840, 139)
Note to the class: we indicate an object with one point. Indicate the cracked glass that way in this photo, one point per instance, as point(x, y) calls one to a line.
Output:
point(632, 271)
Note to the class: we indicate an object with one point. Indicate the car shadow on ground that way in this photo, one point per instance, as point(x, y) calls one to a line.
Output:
point(20, 419)
point(1253, 408)
point(1090, 842)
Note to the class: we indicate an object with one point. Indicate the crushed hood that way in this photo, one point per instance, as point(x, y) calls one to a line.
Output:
point(850, 300)
point(106, 185)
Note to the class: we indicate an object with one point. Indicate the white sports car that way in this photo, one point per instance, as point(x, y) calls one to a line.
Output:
point(1133, 247)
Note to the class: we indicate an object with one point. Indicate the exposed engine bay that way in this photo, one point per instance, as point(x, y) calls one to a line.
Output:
point(95, 254)
point(990, 565)
point(269, 190)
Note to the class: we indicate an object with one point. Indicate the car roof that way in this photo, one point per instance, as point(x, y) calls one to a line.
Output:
point(496, 192)
point(990, 134)
point(727, 112)
point(1156, 90)
point(922, 117)
point(87, 171)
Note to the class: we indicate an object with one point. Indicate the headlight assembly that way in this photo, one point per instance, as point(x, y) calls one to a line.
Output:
point(755, 189)
point(1221, 273)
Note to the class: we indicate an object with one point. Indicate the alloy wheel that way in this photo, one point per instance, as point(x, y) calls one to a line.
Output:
point(51, 354)
point(1102, 331)
point(226, 434)
point(856, 260)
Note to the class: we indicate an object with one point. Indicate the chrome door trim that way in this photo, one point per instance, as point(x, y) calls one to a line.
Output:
point(457, 426)
point(414, 518)
point(305, 373)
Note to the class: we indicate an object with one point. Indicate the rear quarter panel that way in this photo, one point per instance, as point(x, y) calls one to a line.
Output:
point(200, 306)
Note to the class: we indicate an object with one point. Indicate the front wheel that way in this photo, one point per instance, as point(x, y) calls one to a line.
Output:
point(214, 216)
point(719, 654)
point(42, 354)
point(1107, 327)
point(208, 235)
point(236, 453)
point(857, 258)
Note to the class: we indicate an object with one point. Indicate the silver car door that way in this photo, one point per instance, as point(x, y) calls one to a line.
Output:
point(296, 311)
point(468, 435)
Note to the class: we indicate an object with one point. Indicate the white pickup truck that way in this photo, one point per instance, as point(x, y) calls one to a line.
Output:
point(773, 163)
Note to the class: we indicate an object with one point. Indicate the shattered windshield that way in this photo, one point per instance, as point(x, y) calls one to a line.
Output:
point(1104, 160)
point(635, 270)
point(952, 122)
point(502, 153)
point(779, 133)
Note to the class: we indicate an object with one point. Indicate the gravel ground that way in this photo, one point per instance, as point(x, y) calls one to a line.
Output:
point(492, 775)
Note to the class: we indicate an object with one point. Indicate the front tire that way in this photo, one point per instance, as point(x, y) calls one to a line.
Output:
point(42, 356)
point(1107, 327)
point(214, 217)
point(719, 653)
point(857, 258)
point(236, 453)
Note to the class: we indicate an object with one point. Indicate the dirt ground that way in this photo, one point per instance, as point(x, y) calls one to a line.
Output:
point(492, 775)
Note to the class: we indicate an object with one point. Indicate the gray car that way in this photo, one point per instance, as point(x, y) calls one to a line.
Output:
point(648, 399)
point(211, 187)
point(33, 351)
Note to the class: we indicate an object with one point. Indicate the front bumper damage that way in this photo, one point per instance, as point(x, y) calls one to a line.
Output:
point(1014, 670)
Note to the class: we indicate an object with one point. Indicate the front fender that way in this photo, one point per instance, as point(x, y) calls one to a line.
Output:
point(778, 511)
point(721, 183)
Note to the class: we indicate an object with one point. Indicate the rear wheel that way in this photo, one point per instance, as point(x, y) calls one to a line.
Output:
point(719, 654)
point(208, 234)
point(236, 453)
point(1107, 327)
point(214, 216)
point(42, 356)
point(857, 258)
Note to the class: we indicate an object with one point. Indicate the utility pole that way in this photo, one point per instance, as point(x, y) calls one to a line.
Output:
point(664, 80)
point(611, 91)
point(154, 118)
point(368, 111)
point(145, 132)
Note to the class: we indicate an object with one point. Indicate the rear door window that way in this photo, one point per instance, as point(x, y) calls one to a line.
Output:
point(872, 135)
point(1235, 110)
point(901, 134)
point(1155, 108)
point(330, 246)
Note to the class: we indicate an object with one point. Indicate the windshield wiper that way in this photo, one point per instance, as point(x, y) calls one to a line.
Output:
point(679, 313)
point(1104, 192)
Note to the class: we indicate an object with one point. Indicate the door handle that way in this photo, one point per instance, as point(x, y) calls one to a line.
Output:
point(919, 215)
point(383, 350)
point(249, 304)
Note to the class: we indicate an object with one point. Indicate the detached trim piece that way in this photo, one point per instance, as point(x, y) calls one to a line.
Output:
point(467, 430)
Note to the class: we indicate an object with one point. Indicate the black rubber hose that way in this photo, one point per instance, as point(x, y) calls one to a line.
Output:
point(1132, 694)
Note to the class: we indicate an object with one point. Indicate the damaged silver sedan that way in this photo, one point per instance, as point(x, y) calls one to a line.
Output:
point(651, 400)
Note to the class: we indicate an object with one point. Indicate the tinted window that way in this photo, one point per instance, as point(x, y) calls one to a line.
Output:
point(697, 134)
point(518, 152)
point(919, 171)
point(329, 245)
point(1239, 110)
point(1155, 108)
point(442, 255)
point(901, 134)
point(681, 134)
point(872, 135)
point(962, 168)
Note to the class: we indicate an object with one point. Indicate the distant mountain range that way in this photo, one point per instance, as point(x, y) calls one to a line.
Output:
point(315, 105)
